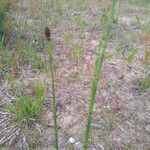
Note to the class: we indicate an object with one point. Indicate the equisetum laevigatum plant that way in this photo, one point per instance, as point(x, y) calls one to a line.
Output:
point(54, 107)
point(109, 18)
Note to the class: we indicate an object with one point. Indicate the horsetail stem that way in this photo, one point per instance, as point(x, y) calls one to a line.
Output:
point(97, 73)
point(54, 106)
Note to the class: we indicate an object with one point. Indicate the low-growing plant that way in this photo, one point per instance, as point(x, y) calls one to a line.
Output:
point(78, 52)
point(1, 45)
point(144, 83)
point(82, 5)
point(132, 38)
point(26, 107)
point(109, 55)
point(131, 54)
point(29, 56)
point(10, 78)
point(81, 25)
point(6, 62)
point(136, 21)
point(73, 76)
point(68, 36)
point(118, 50)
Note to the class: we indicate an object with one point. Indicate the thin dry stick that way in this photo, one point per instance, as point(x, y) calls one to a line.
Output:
point(54, 107)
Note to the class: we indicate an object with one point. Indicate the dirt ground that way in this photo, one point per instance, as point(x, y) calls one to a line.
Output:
point(121, 118)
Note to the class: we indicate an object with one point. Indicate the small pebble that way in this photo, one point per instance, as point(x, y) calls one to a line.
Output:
point(72, 140)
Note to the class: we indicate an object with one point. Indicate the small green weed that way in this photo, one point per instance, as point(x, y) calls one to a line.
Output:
point(119, 47)
point(27, 107)
point(131, 54)
point(30, 57)
point(81, 24)
point(144, 83)
point(82, 5)
point(132, 37)
point(109, 55)
point(136, 21)
point(2, 44)
point(6, 62)
point(73, 76)
point(118, 50)
point(78, 53)
point(68, 36)
point(10, 78)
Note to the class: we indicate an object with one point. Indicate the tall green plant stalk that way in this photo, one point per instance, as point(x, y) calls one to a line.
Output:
point(97, 72)
point(54, 107)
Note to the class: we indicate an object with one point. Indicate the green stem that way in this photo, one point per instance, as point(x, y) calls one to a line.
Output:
point(54, 107)
point(97, 75)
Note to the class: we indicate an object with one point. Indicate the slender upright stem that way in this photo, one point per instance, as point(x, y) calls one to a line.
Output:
point(54, 106)
point(97, 75)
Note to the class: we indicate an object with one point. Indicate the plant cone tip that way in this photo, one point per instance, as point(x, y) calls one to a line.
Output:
point(47, 34)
